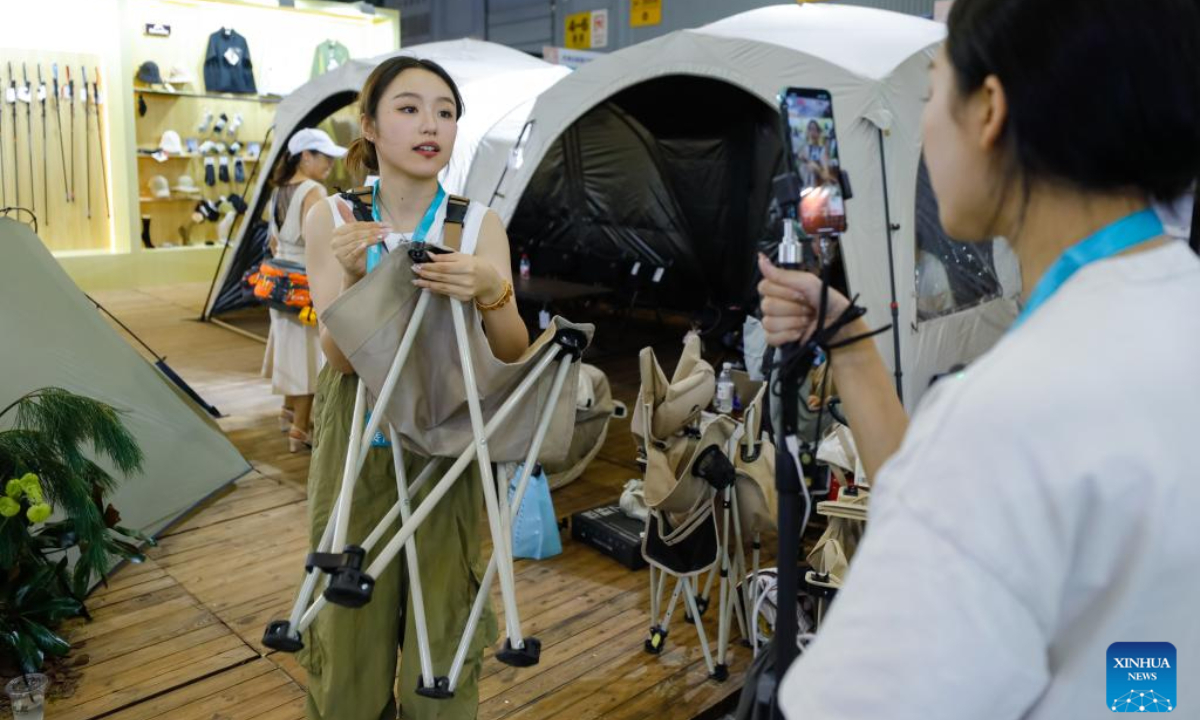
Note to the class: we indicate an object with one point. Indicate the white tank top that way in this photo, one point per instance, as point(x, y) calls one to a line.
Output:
point(471, 225)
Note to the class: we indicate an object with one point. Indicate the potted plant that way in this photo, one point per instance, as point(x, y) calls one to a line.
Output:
point(45, 470)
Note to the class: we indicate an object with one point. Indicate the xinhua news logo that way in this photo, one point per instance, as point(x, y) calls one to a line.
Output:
point(1141, 677)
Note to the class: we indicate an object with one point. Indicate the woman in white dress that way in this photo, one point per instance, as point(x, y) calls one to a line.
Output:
point(293, 356)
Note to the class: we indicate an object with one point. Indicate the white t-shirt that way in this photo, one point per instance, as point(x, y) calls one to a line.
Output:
point(1045, 504)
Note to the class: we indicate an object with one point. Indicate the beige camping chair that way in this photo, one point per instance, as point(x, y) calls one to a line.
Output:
point(687, 469)
point(427, 364)
point(755, 495)
point(594, 407)
point(830, 557)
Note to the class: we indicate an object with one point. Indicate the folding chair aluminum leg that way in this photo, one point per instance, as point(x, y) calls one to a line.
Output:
point(535, 449)
point(428, 682)
point(703, 599)
point(659, 630)
point(721, 671)
point(690, 598)
point(285, 634)
point(393, 547)
point(514, 643)
point(738, 565)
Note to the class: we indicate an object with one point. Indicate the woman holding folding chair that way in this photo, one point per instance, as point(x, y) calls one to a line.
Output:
point(409, 110)
point(1025, 531)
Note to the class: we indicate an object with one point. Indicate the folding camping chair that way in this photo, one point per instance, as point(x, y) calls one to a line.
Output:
point(435, 401)
point(687, 460)
point(830, 557)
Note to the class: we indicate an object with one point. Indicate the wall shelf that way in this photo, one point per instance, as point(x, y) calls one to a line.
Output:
point(190, 156)
point(210, 96)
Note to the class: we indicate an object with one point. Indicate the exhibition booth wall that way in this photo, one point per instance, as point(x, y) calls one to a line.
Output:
point(105, 250)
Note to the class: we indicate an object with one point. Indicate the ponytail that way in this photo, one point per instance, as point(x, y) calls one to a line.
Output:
point(361, 159)
point(286, 169)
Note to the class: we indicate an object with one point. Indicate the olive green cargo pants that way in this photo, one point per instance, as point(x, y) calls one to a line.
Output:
point(350, 654)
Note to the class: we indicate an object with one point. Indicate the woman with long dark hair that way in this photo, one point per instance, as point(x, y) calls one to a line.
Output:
point(1031, 516)
point(293, 357)
point(409, 113)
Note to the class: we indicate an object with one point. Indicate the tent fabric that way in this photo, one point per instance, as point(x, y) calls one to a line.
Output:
point(498, 85)
point(875, 65)
point(65, 343)
point(677, 216)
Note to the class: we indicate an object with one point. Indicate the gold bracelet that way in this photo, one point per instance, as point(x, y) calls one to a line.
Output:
point(505, 296)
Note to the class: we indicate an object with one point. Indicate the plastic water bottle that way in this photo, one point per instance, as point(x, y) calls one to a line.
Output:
point(724, 401)
point(525, 267)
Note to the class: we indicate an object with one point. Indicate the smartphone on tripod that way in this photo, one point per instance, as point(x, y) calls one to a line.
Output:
point(812, 145)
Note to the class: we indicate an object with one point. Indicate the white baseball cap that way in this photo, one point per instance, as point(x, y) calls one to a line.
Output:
point(185, 184)
point(171, 143)
point(159, 187)
point(314, 139)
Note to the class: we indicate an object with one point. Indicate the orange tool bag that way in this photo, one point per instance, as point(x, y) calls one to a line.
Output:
point(283, 285)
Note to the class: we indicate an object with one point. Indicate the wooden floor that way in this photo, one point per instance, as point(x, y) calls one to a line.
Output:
point(179, 636)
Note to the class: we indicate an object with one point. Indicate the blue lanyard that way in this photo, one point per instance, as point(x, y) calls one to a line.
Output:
point(375, 255)
point(1109, 241)
point(375, 252)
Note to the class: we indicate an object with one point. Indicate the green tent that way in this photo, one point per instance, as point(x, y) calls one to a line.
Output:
point(53, 335)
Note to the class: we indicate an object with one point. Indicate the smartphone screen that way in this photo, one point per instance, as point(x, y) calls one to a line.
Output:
point(813, 142)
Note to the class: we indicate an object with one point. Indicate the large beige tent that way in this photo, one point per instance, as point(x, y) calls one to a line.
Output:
point(54, 336)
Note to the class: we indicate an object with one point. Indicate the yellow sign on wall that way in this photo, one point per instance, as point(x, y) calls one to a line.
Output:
point(645, 12)
point(579, 31)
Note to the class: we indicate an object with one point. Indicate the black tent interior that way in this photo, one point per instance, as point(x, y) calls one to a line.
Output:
point(233, 293)
point(673, 173)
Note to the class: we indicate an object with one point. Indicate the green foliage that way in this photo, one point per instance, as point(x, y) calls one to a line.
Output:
point(45, 453)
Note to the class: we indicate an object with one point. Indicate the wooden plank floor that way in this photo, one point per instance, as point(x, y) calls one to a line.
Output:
point(180, 636)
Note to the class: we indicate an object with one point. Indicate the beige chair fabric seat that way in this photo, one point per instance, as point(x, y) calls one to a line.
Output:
point(429, 406)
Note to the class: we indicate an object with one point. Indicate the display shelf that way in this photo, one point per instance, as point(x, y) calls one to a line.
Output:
point(209, 96)
point(189, 156)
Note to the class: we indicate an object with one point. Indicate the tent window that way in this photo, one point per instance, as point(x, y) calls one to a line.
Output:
point(950, 275)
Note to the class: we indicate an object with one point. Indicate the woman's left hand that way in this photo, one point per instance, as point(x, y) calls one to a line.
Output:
point(463, 277)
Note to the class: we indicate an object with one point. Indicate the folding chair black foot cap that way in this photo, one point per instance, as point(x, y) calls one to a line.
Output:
point(720, 673)
point(279, 637)
point(526, 656)
point(572, 341)
point(350, 588)
point(440, 690)
point(702, 605)
point(654, 643)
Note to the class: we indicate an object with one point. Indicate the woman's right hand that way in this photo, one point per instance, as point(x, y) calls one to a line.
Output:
point(790, 302)
point(351, 239)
